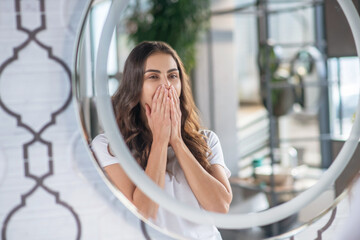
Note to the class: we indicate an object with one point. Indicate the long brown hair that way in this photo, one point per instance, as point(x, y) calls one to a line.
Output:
point(130, 116)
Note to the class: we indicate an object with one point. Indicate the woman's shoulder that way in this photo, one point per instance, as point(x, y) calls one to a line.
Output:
point(100, 146)
point(217, 156)
point(100, 137)
point(207, 132)
point(100, 140)
point(211, 137)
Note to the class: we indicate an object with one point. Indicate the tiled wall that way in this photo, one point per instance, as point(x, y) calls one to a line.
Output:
point(49, 188)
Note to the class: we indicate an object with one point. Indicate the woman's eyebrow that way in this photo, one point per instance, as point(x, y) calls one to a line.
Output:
point(172, 70)
point(157, 71)
point(152, 70)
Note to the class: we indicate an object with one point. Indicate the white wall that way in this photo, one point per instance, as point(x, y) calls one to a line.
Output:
point(216, 60)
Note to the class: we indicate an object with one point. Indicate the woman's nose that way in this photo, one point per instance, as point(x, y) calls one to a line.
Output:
point(166, 81)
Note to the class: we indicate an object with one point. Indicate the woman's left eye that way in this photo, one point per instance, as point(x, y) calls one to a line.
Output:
point(173, 76)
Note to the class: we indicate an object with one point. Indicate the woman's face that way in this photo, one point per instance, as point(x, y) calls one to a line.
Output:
point(160, 69)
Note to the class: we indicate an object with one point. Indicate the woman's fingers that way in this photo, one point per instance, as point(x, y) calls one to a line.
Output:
point(154, 100)
point(174, 112)
point(163, 105)
point(159, 100)
point(175, 96)
point(167, 108)
point(147, 110)
point(175, 117)
point(176, 101)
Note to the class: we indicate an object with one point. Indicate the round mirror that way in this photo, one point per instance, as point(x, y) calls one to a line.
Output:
point(275, 189)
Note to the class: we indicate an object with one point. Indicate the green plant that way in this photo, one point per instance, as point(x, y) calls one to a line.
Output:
point(176, 22)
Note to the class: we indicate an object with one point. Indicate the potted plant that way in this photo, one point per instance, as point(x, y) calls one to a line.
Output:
point(176, 22)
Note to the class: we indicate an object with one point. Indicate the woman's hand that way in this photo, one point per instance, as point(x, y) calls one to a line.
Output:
point(175, 136)
point(158, 116)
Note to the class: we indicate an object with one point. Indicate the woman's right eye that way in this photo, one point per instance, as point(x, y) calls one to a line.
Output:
point(153, 77)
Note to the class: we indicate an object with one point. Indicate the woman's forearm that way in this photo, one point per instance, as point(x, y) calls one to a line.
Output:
point(155, 169)
point(212, 194)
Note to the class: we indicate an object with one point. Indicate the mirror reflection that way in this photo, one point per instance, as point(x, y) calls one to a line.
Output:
point(276, 107)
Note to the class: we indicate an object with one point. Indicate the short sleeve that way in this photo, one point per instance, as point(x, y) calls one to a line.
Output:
point(100, 147)
point(217, 156)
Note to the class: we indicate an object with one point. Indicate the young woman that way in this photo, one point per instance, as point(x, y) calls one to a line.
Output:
point(158, 119)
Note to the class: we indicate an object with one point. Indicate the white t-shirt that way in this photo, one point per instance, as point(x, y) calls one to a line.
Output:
point(176, 186)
